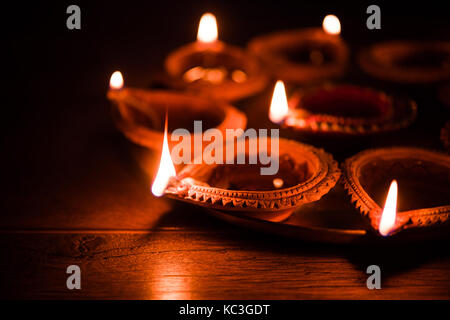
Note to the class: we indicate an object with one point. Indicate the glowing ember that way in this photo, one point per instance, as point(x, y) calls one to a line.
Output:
point(239, 76)
point(207, 29)
point(194, 74)
point(166, 168)
point(215, 75)
point(116, 81)
point(278, 183)
point(390, 210)
point(279, 105)
point(331, 24)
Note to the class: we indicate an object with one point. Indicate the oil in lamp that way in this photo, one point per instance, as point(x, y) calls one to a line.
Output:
point(139, 113)
point(212, 68)
point(304, 55)
point(410, 62)
point(423, 178)
point(342, 110)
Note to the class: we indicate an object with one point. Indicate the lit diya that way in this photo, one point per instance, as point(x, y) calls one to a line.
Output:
point(407, 61)
point(305, 174)
point(346, 110)
point(305, 55)
point(212, 68)
point(421, 178)
point(139, 114)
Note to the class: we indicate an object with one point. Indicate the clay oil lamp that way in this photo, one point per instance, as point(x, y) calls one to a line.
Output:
point(305, 174)
point(304, 55)
point(212, 68)
point(341, 110)
point(409, 62)
point(139, 114)
point(418, 178)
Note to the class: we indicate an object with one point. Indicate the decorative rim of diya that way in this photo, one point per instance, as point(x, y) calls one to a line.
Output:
point(353, 166)
point(324, 176)
point(269, 49)
point(445, 135)
point(180, 60)
point(128, 100)
point(392, 113)
point(381, 61)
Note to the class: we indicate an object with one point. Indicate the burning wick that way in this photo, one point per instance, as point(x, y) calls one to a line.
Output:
point(207, 29)
point(279, 105)
point(390, 210)
point(166, 168)
point(331, 24)
point(116, 81)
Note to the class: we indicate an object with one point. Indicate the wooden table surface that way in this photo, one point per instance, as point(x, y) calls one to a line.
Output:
point(72, 192)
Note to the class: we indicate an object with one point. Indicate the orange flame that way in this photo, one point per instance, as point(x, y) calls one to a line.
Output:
point(166, 168)
point(279, 105)
point(207, 29)
point(116, 81)
point(390, 210)
point(331, 24)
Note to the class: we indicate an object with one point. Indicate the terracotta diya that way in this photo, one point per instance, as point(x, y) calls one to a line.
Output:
point(305, 174)
point(212, 68)
point(305, 55)
point(139, 114)
point(423, 188)
point(345, 110)
point(407, 61)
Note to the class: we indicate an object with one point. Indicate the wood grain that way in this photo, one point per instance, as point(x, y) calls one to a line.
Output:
point(177, 264)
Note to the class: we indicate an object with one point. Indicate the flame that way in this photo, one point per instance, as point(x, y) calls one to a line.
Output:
point(390, 210)
point(166, 168)
point(207, 29)
point(116, 81)
point(279, 105)
point(331, 24)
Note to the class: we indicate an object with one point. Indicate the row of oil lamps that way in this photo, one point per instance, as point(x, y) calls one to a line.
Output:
point(208, 74)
